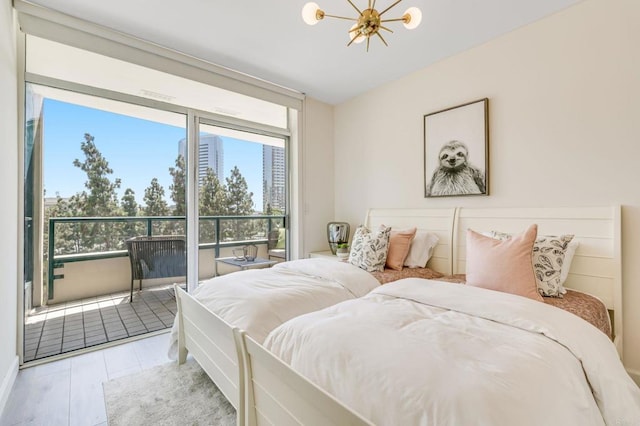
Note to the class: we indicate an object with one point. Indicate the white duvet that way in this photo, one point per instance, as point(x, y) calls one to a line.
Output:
point(258, 301)
point(421, 352)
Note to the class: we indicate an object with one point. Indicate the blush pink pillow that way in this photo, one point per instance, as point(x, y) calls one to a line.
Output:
point(399, 243)
point(503, 265)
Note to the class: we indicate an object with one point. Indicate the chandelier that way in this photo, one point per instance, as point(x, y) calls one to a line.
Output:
point(368, 23)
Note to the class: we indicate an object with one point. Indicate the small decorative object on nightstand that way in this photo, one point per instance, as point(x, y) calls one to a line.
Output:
point(342, 251)
point(337, 233)
point(250, 252)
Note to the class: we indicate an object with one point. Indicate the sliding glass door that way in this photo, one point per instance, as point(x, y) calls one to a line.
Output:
point(242, 193)
point(136, 179)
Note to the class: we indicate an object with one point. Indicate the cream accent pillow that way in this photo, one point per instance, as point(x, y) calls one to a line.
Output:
point(399, 243)
point(421, 249)
point(369, 249)
point(503, 265)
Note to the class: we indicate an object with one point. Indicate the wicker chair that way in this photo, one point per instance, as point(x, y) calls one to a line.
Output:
point(156, 257)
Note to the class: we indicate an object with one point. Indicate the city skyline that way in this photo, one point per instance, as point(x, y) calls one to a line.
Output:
point(137, 151)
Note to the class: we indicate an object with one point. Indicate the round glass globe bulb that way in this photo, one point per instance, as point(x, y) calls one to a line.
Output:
point(309, 13)
point(416, 18)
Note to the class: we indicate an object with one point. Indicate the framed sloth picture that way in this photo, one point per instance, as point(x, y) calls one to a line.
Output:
point(456, 150)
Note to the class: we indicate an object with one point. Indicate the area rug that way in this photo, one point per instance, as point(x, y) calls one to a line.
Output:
point(167, 395)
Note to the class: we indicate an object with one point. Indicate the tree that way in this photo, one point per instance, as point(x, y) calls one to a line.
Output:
point(130, 208)
point(213, 196)
point(239, 199)
point(101, 198)
point(239, 203)
point(178, 186)
point(128, 204)
point(154, 200)
point(212, 202)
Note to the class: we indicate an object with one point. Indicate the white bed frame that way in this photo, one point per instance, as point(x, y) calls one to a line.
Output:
point(244, 377)
point(277, 395)
point(596, 269)
point(212, 343)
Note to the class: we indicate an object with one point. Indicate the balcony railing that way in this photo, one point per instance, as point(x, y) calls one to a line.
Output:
point(77, 239)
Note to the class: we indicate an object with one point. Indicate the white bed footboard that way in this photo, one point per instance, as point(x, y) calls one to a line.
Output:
point(211, 341)
point(277, 395)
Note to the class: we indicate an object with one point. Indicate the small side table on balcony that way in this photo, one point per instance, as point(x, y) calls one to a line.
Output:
point(258, 262)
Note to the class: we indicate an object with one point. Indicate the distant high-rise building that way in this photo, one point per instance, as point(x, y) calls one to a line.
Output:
point(273, 178)
point(210, 155)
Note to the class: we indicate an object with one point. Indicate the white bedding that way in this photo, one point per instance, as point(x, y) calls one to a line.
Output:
point(258, 301)
point(421, 352)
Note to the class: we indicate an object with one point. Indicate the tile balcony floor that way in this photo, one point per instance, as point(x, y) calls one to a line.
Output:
point(56, 329)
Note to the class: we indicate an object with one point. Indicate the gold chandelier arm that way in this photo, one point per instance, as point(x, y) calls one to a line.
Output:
point(382, 27)
point(392, 20)
point(383, 12)
point(355, 7)
point(368, 38)
point(383, 40)
point(340, 17)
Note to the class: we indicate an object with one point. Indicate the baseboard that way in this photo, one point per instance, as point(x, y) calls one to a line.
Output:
point(7, 384)
point(635, 375)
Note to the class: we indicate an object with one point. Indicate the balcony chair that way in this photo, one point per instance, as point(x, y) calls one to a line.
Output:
point(156, 257)
point(275, 245)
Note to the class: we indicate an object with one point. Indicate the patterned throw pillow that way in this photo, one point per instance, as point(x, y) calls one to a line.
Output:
point(549, 256)
point(369, 249)
point(551, 261)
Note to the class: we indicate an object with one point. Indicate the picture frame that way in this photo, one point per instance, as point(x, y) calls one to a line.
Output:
point(456, 150)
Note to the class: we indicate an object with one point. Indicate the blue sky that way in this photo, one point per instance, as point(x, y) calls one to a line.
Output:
point(137, 151)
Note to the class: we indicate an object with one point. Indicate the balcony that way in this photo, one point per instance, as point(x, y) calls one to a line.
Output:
point(84, 298)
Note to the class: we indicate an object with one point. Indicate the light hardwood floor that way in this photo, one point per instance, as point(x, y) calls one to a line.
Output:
point(69, 391)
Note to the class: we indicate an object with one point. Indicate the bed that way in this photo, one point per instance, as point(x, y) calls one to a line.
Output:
point(428, 352)
point(256, 301)
point(412, 336)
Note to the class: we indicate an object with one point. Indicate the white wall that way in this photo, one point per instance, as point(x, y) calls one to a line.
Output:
point(318, 169)
point(9, 197)
point(564, 127)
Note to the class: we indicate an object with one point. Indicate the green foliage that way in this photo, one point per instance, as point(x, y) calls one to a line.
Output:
point(212, 202)
point(128, 204)
point(178, 187)
point(155, 204)
point(101, 199)
point(239, 199)
point(130, 208)
point(212, 196)
point(239, 203)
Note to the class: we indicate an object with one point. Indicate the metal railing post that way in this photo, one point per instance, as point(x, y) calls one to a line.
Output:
point(50, 268)
point(217, 236)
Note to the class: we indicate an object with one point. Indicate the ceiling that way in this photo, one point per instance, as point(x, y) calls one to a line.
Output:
point(269, 40)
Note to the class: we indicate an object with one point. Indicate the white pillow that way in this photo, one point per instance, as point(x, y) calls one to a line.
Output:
point(568, 257)
point(421, 249)
point(369, 249)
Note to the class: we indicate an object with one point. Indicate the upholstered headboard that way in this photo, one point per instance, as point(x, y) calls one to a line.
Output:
point(596, 266)
point(438, 221)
